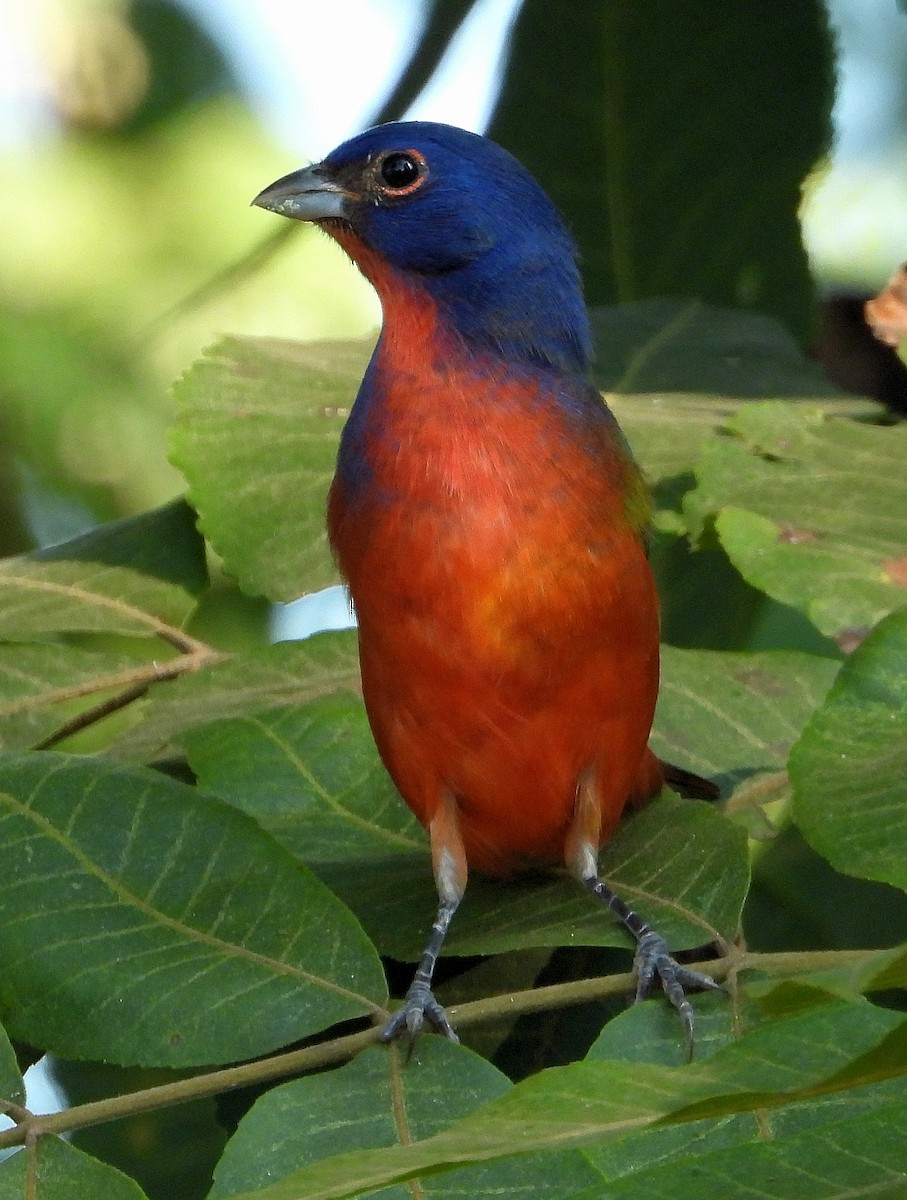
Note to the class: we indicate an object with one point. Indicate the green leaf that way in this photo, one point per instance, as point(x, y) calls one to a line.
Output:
point(684, 352)
point(12, 1087)
point(692, 898)
point(666, 434)
point(378, 1101)
point(798, 901)
point(36, 679)
point(257, 426)
point(843, 1157)
point(285, 674)
point(685, 865)
point(163, 543)
point(170, 1151)
point(143, 922)
point(312, 777)
point(668, 146)
point(72, 597)
point(811, 509)
point(133, 577)
point(822, 1052)
point(259, 419)
point(849, 768)
point(310, 774)
point(60, 1172)
point(732, 715)
point(642, 1034)
point(647, 1032)
point(886, 969)
point(673, 372)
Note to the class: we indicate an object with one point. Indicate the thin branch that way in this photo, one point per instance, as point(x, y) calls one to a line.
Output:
point(196, 1088)
point(16, 1112)
point(759, 790)
point(157, 627)
point(141, 676)
point(136, 681)
point(90, 716)
point(182, 641)
point(514, 1004)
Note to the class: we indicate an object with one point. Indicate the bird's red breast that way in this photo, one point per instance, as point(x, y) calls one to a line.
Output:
point(487, 522)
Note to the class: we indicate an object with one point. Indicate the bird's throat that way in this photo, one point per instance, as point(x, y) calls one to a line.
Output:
point(410, 324)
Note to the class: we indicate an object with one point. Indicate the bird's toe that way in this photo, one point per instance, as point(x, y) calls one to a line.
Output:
point(419, 1006)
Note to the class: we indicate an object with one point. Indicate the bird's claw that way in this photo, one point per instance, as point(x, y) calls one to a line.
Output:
point(419, 1006)
point(653, 958)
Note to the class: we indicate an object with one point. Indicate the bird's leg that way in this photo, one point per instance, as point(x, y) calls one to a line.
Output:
point(420, 1003)
point(449, 861)
point(653, 957)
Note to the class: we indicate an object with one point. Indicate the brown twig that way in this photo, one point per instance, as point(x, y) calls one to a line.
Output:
point(561, 995)
point(133, 684)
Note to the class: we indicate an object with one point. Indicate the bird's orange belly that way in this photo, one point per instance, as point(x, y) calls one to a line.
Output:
point(505, 695)
point(508, 622)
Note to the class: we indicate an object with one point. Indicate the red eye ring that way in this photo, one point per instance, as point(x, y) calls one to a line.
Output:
point(400, 172)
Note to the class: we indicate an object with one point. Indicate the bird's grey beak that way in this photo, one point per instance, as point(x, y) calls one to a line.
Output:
point(306, 195)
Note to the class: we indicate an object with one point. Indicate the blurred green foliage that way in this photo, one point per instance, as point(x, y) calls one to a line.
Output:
point(135, 198)
point(671, 148)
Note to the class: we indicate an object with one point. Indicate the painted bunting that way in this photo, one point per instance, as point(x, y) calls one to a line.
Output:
point(491, 523)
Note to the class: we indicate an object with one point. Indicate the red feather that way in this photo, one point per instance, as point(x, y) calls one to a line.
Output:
point(508, 620)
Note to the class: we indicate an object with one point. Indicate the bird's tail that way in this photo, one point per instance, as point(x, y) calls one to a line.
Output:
point(693, 786)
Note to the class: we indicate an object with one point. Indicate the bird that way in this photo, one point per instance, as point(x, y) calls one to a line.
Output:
point(491, 525)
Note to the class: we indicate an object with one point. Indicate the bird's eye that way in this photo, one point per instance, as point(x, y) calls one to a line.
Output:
point(401, 171)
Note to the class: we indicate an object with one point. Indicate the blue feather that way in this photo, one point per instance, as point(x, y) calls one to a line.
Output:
point(486, 242)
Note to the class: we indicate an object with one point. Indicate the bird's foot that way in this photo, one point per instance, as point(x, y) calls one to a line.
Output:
point(419, 1006)
point(653, 958)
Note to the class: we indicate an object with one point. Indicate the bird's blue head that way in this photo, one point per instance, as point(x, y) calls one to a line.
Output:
point(457, 215)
